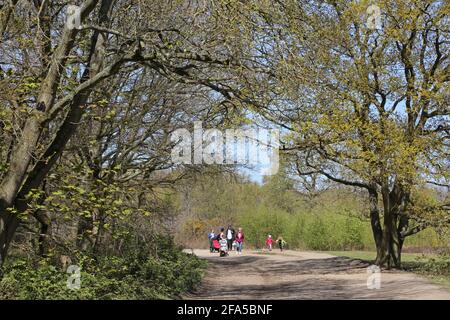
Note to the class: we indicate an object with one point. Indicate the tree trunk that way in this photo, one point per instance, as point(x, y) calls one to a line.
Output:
point(375, 221)
point(8, 226)
point(389, 247)
point(42, 242)
point(16, 183)
point(44, 232)
point(84, 233)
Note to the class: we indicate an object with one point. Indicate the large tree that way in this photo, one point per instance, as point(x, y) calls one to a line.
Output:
point(365, 104)
point(52, 72)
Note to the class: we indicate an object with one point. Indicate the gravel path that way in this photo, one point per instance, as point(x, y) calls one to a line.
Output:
point(304, 275)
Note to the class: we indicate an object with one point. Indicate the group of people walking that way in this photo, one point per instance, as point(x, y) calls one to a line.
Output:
point(226, 240)
point(280, 242)
point(229, 240)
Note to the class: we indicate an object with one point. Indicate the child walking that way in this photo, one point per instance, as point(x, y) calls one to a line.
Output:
point(223, 247)
point(269, 242)
point(281, 243)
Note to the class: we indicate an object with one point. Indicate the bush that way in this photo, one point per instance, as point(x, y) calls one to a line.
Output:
point(353, 234)
point(439, 265)
point(136, 276)
point(316, 235)
point(261, 221)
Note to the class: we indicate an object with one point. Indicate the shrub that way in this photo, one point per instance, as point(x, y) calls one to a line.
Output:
point(316, 235)
point(135, 276)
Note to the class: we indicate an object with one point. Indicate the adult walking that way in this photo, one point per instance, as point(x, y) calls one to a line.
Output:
point(239, 241)
point(221, 234)
point(211, 237)
point(230, 234)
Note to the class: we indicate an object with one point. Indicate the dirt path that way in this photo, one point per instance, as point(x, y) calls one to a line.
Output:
point(304, 275)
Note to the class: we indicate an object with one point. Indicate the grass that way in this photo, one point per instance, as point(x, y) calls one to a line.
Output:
point(371, 255)
point(433, 266)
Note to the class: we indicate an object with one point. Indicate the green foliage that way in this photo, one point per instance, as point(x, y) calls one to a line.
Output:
point(316, 235)
point(262, 221)
point(136, 276)
point(437, 265)
point(332, 220)
point(353, 238)
point(329, 231)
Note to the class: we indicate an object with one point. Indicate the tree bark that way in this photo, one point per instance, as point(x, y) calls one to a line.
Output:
point(375, 223)
point(44, 230)
point(8, 225)
point(389, 245)
point(14, 187)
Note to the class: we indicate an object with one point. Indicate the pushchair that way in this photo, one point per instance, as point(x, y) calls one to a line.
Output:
point(216, 245)
point(223, 248)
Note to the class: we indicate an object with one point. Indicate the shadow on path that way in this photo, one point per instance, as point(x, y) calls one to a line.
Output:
point(268, 277)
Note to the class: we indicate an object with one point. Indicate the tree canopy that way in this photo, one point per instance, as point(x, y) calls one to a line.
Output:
point(87, 107)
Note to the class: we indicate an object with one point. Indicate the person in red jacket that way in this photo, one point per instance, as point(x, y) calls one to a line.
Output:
point(269, 242)
point(239, 241)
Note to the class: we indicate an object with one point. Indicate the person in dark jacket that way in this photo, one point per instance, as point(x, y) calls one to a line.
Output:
point(230, 236)
point(220, 235)
point(281, 243)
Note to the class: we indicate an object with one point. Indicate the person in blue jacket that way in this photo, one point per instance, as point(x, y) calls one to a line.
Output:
point(211, 237)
